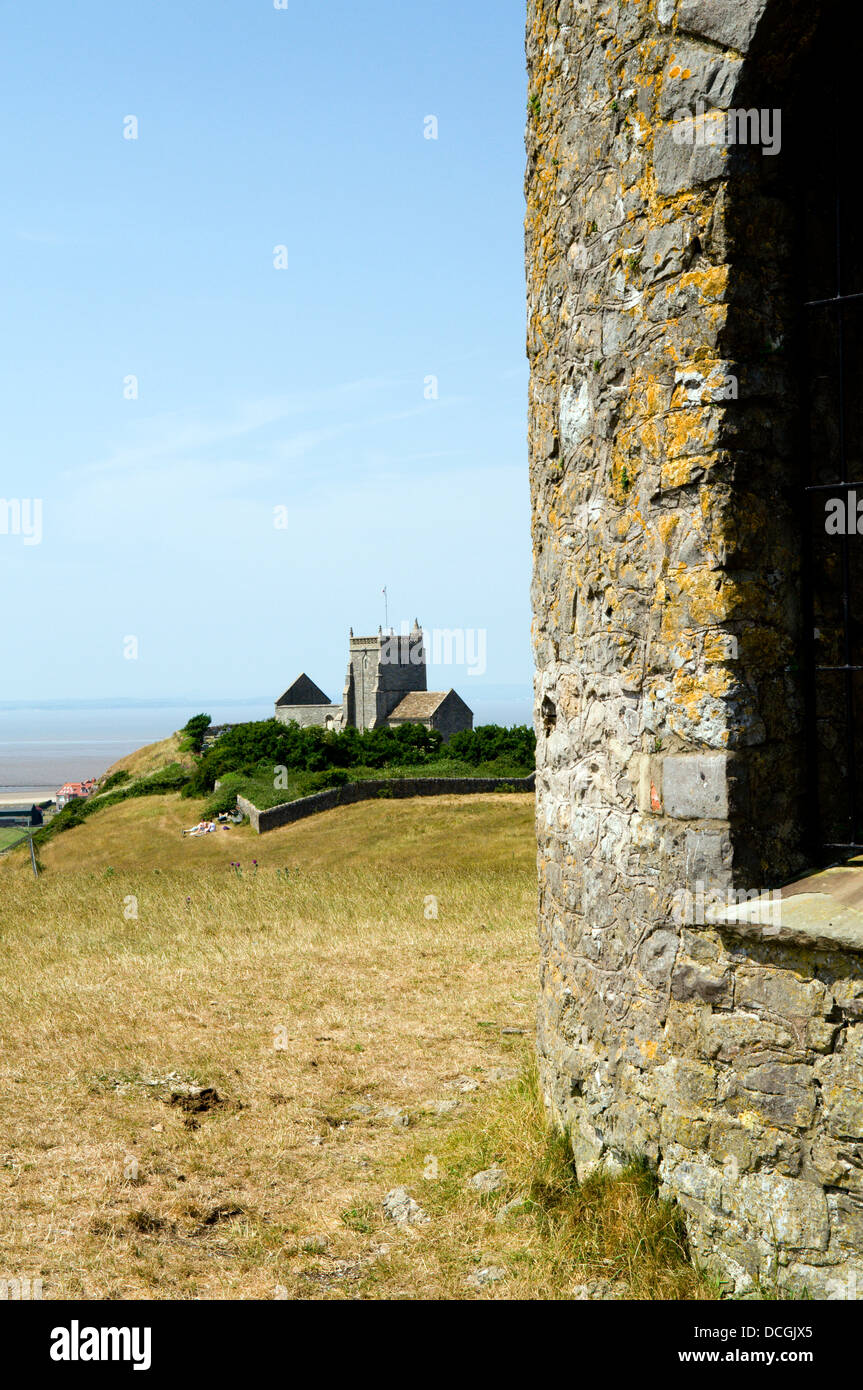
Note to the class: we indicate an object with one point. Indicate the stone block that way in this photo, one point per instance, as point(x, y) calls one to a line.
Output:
point(700, 1181)
point(663, 252)
point(691, 982)
point(645, 772)
point(712, 79)
point(837, 1164)
point(576, 414)
point(708, 857)
point(731, 23)
point(852, 1052)
point(682, 1029)
point(685, 1086)
point(679, 166)
point(727, 1035)
point(790, 1109)
point(695, 787)
point(701, 945)
point(685, 1131)
point(821, 1036)
point(783, 1093)
point(731, 1145)
point(842, 1095)
point(586, 1142)
point(778, 1078)
point(847, 1221)
point(848, 994)
point(782, 993)
point(789, 1212)
point(656, 956)
point(825, 1282)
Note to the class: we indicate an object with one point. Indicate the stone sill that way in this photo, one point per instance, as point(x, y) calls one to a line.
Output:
point(823, 911)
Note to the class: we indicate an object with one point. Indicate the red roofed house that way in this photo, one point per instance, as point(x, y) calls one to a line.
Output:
point(70, 790)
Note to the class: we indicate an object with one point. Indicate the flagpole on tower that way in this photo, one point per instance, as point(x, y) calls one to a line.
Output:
point(386, 610)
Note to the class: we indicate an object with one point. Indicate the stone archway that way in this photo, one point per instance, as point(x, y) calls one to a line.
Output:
point(670, 618)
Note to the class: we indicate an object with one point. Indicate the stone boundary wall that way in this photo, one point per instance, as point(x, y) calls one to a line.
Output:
point(351, 792)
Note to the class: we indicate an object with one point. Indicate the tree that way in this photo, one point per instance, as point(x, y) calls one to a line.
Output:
point(194, 730)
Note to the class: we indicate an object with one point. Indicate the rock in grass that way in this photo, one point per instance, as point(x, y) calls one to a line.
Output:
point(398, 1118)
point(400, 1207)
point(489, 1274)
point(518, 1204)
point(489, 1180)
point(601, 1289)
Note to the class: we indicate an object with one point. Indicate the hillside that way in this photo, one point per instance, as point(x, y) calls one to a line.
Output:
point(145, 833)
point(153, 757)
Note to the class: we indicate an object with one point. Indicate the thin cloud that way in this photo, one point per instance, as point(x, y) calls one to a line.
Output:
point(170, 435)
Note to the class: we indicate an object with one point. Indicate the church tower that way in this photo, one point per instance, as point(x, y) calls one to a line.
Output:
point(381, 671)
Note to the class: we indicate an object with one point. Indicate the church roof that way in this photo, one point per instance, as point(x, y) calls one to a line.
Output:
point(304, 692)
point(419, 704)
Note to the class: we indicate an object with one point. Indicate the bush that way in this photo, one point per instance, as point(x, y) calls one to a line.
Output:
point(258, 749)
point(224, 799)
point(323, 781)
point(491, 741)
point(194, 730)
point(220, 803)
point(115, 780)
point(169, 779)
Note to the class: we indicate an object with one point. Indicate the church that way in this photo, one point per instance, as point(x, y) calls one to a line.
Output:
point(386, 686)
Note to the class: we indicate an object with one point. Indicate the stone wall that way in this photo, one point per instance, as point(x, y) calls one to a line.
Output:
point(396, 787)
point(311, 716)
point(670, 702)
point(758, 1105)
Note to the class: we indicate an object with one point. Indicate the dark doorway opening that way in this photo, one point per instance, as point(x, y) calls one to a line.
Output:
point(827, 158)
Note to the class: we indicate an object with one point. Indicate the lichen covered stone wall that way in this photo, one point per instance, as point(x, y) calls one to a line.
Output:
point(758, 1103)
point(667, 619)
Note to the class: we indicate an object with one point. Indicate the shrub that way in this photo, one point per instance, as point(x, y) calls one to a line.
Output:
point(224, 799)
point(115, 780)
point(168, 779)
point(257, 749)
point(323, 781)
point(491, 741)
point(193, 731)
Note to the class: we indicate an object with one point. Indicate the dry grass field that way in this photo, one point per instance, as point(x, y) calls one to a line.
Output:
point(145, 833)
point(211, 1079)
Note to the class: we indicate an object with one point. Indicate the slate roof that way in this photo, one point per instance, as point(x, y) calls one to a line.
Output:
point(419, 704)
point(304, 692)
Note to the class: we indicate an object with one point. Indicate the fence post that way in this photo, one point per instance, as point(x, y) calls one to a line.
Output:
point(32, 853)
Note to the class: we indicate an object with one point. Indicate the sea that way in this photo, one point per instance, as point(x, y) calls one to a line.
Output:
point(43, 747)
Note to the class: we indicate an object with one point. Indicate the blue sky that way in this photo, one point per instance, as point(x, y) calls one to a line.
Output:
point(258, 388)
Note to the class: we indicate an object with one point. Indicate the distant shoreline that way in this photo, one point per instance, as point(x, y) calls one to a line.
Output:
point(41, 748)
point(27, 796)
point(484, 693)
